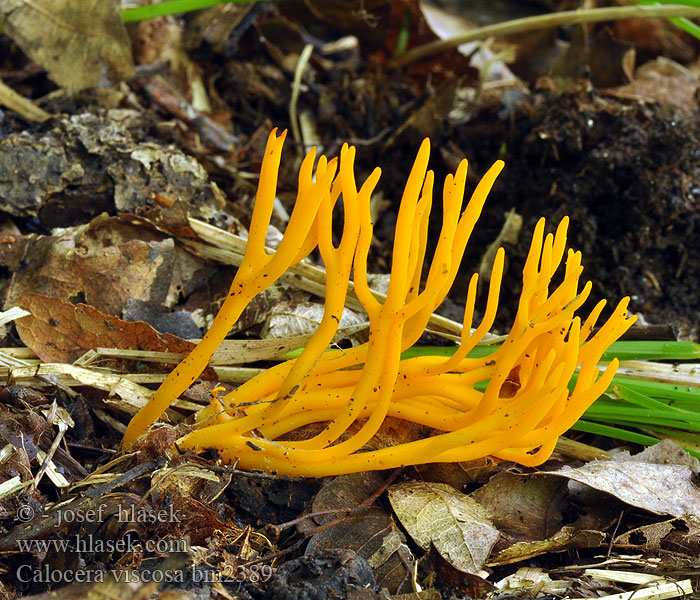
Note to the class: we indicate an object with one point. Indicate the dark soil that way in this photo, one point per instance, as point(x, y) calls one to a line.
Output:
point(627, 175)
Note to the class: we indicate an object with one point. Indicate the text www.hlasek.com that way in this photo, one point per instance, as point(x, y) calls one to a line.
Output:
point(92, 544)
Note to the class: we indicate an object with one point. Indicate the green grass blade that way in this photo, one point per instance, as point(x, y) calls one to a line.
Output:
point(679, 2)
point(681, 22)
point(652, 351)
point(172, 7)
point(659, 389)
point(614, 432)
point(446, 351)
point(686, 25)
point(645, 401)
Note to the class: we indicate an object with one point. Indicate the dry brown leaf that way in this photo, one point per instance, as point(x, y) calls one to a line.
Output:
point(526, 508)
point(457, 525)
point(685, 539)
point(434, 111)
point(458, 475)
point(361, 18)
point(668, 452)
point(371, 533)
point(106, 263)
point(286, 319)
point(71, 39)
point(648, 537)
point(58, 331)
point(394, 431)
point(441, 66)
point(663, 81)
point(564, 539)
point(186, 486)
point(611, 61)
point(664, 489)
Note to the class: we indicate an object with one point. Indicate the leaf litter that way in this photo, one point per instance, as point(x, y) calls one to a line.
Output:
point(123, 162)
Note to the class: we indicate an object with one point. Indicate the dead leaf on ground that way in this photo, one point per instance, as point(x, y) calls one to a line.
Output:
point(32, 436)
point(648, 537)
point(654, 37)
point(189, 487)
point(58, 331)
point(362, 18)
point(564, 539)
point(457, 525)
point(611, 60)
point(663, 81)
point(109, 263)
point(441, 66)
point(458, 475)
point(371, 533)
point(462, 585)
point(71, 39)
point(685, 538)
point(664, 489)
point(524, 507)
point(287, 319)
point(429, 117)
point(667, 452)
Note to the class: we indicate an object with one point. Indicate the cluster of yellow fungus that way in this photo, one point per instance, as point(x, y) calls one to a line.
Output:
point(514, 404)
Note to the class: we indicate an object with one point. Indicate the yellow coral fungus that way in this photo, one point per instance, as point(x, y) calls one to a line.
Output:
point(514, 404)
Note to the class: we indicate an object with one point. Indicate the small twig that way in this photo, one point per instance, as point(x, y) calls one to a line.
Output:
point(567, 17)
point(614, 534)
point(62, 428)
point(313, 515)
point(23, 107)
point(251, 474)
point(91, 448)
point(296, 87)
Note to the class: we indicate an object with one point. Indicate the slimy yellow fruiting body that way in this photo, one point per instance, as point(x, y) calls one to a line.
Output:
point(513, 404)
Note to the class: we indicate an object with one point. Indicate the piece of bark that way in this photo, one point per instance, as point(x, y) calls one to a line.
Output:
point(87, 164)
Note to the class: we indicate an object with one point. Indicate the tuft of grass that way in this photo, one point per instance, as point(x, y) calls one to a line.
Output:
point(659, 409)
